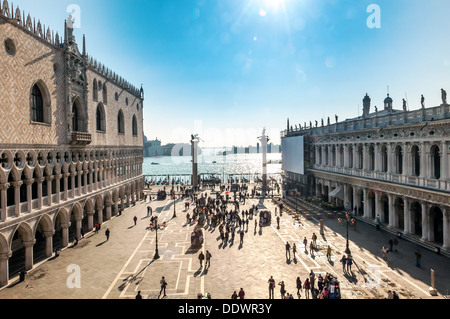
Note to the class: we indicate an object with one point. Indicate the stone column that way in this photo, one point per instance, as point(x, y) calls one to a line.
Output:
point(100, 214)
point(423, 158)
point(29, 253)
point(108, 210)
point(391, 211)
point(29, 183)
point(80, 176)
point(65, 234)
point(424, 221)
point(355, 156)
point(116, 207)
point(4, 267)
point(78, 227)
point(90, 218)
point(406, 168)
point(91, 179)
point(444, 161)
point(58, 187)
point(66, 186)
point(16, 186)
point(72, 182)
point(389, 158)
point(49, 189)
point(48, 242)
point(85, 175)
point(346, 164)
point(377, 207)
point(407, 218)
point(39, 181)
point(366, 202)
point(3, 188)
point(446, 228)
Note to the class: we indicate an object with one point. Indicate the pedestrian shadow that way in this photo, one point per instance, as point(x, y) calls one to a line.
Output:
point(99, 244)
point(131, 227)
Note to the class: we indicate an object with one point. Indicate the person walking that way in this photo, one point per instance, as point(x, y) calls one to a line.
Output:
point(278, 222)
point(312, 280)
point(234, 295)
point(163, 284)
point(201, 257)
point(329, 252)
point(139, 296)
point(349, 263)
point(282, 289)
point(384, 251)
point(208, 259)
point(294, 250)
point(305, 242)
point(271, 287)
point(288, 251)
point(135, 220)
point(82, 232)
point(311, 249)
point(241, 237)
point(391, 245)
point(299, 286)
point(307, 287)
point(344, 262)
point(418, 257)
point(241, 293)
point(107, 232)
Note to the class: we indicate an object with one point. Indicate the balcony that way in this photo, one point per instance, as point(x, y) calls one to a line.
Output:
point(81, 138)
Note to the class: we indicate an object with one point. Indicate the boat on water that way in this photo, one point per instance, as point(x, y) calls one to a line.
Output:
point(155, 163)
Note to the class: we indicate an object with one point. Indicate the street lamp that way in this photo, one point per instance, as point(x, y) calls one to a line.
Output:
point(347, 221)
point(156, 249)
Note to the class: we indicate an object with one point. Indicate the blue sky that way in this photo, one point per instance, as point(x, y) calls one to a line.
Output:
point(227, 68)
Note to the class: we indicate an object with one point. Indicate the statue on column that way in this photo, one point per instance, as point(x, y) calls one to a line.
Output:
point(422, 101)
point(404, 105)
point(444, 96)
point(336, 117)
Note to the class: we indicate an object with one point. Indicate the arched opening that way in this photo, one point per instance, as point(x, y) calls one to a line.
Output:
point(105, 94)
point(17, 262)
point(371, 204)
point(436, 225)
point(135, 126)
point(120, 123)
point(78, 116)
point(435, 162)
point(10, 200)
point(39, 248)
point(399, 209)
point(384, 201)
point(398, 169)
point(416, 218)
point(23, 189)
point(384, 159)
point(101, 118)
point(37, 104)
point(326, 155)
point(95, 90)
point(58, 241)
point(415, 160)
point(371, 158)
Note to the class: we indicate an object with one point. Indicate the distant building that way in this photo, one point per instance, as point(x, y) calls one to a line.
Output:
point(153, 148)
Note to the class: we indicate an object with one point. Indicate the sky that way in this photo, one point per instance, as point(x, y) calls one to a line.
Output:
point(226, 69)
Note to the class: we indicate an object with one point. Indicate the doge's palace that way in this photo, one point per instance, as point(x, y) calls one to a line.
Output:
point(71, 141)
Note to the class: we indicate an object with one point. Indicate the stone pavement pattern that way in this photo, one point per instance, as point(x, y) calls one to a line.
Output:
point(118, 268)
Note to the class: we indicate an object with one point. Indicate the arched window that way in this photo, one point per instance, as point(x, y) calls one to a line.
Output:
point(78, 119)
point(95, 90)
point(105, 94)
point(100, 117)
point(37, 105)
point(384, 159)
point(120, 123)
point(135, 126)
point(435, 162)
point(415, 155)
point(398, 160)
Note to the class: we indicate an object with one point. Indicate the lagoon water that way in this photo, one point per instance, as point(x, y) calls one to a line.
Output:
point(211, 163)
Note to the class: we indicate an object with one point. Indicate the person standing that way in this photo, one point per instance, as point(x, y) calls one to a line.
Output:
point(344, 262)
point(82, 232)
point(305, 242)
point(139, 296)
point(107, 232)
point(241, 237)
point(163, 284)
point(299, 286)
point(294, 250)
point(307, 287)
point(201, 257)
point(384, 251)
point(288, 251)
point(241, 294)
point(282, 289)
point(311, 248)
point(208, 259)
point(329, 252)
point(312, 280)
point(349, 263)
point(278, 222)
point(418, 257)
point(135, 220)
point(234, 295)
point(271, 287)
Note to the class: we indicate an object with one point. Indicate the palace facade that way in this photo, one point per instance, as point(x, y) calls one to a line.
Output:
point(71, 141)
point(390, 166)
